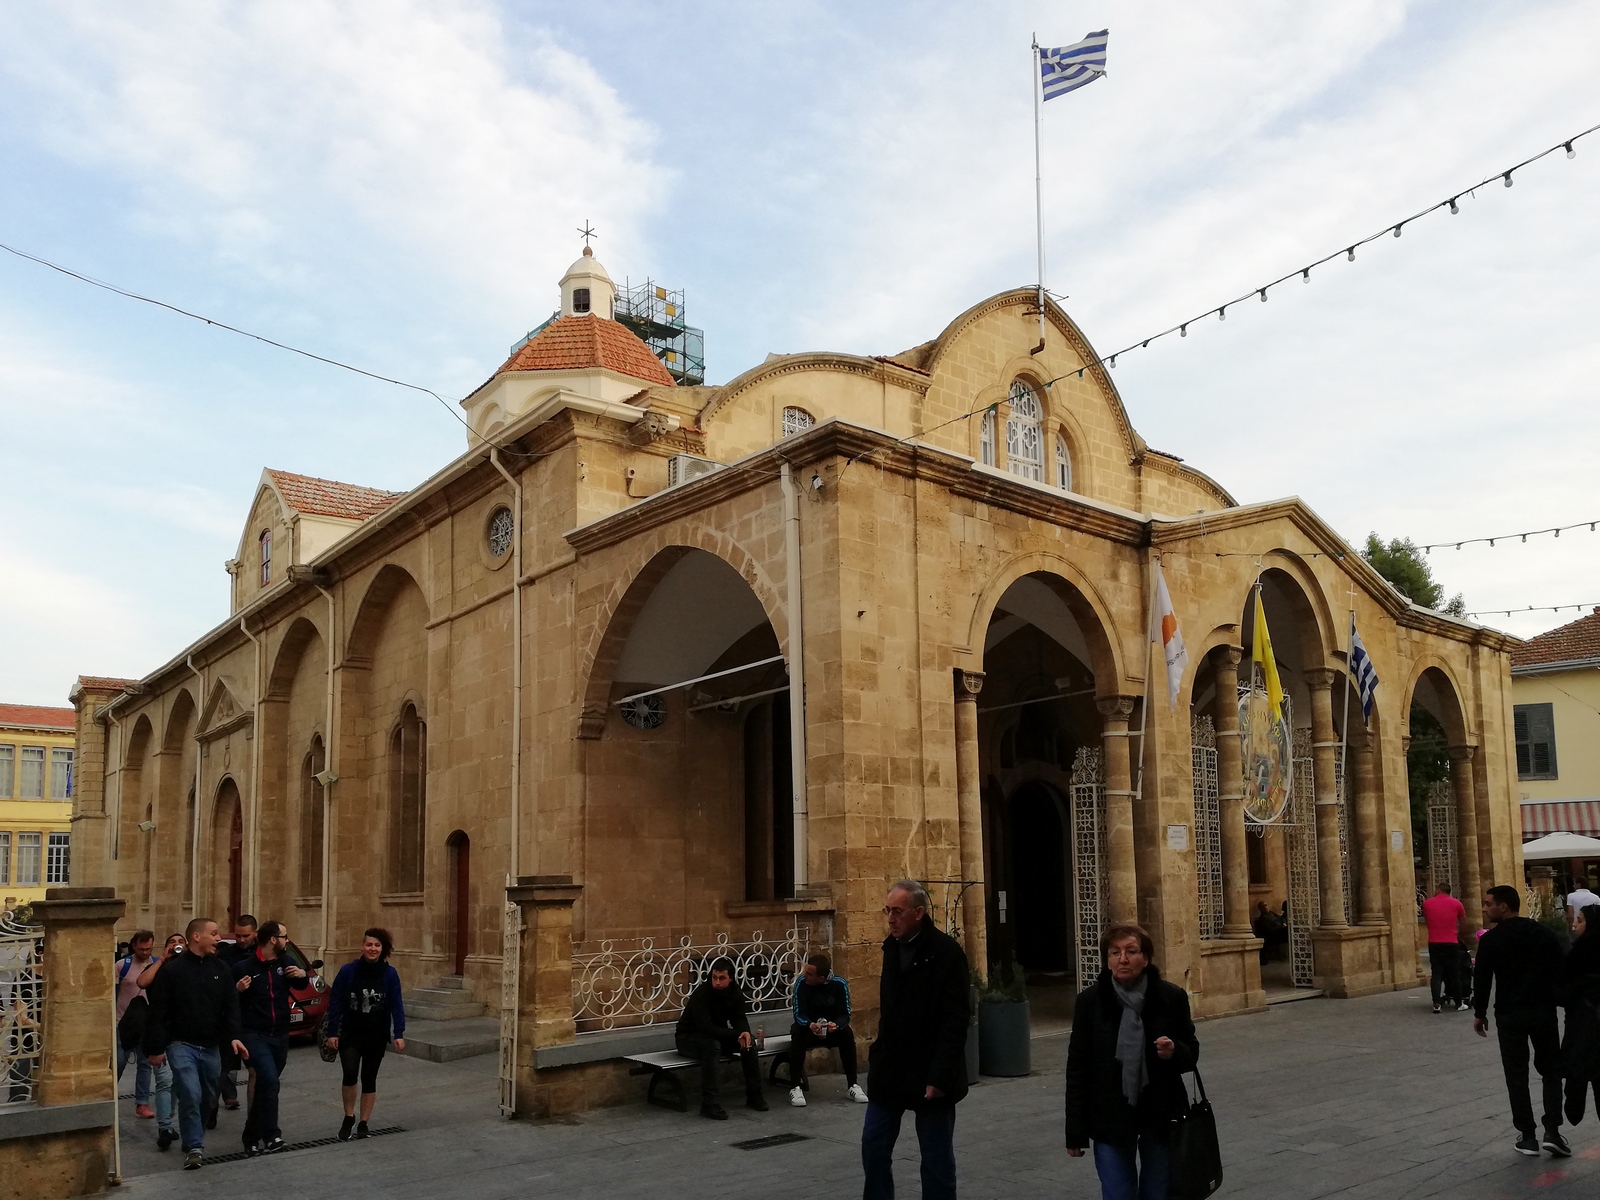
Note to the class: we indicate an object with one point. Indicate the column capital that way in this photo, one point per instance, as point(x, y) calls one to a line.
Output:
point(1462, 753)
point(1320, 678)
point(968, 684)
point(1232, 655)
point(1115, 707)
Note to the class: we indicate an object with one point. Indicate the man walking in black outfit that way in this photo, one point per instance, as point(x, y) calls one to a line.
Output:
point(821, 1018)
point(263, 981)
point(1521, 959)
point(713, 1024)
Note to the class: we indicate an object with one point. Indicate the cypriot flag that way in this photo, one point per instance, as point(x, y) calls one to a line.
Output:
point(1164, 632)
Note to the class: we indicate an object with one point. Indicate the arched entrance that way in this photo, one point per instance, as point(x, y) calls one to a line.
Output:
point(227, 857)
point(1445, 842)
point(458, 848)
point(1040, 903)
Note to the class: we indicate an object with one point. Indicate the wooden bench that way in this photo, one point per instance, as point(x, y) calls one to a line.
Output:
point(662, 1066)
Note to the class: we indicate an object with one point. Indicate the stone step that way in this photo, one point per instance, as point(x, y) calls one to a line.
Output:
point(458, 982)
point(442, 1004)
point(446, 1041)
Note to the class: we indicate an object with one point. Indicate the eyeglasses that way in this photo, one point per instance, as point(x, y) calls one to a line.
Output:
point(896, 911)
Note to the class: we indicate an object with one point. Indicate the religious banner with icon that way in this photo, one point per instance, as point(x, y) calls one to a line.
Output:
point(1265, 747)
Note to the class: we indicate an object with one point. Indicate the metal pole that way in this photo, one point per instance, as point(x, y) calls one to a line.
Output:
point(1144, 705)
point(1038, 185)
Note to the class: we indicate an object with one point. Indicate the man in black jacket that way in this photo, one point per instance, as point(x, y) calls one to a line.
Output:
point(263, 980)
point(194, 1010)
point(1522, 960)
point(713, 1024)
point(918, 1060)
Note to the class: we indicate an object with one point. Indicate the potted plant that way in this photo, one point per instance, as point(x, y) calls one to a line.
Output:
point(1005, 1044)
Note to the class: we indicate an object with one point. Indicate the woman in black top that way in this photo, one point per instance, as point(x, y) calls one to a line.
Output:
point(1580, 992)
point(364, 1012)
point(1132, 1039)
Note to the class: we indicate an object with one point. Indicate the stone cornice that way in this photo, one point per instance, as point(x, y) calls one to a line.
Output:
point(880, 369)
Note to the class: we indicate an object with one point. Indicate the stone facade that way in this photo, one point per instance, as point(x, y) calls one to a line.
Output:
point(969, 630)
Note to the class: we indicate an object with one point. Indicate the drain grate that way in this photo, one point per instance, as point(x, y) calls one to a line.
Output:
point(766, 1143)
point(327, 1141)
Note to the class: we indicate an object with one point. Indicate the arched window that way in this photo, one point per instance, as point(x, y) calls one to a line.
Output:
point(796, 420)
point(189, 817)
point(266, 557)
point(1063, 465)
point(986, 439)
point(408, 771)
point(1024, 442)
point(311, 815)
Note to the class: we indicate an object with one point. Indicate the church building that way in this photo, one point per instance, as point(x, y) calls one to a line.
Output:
point(655, 670)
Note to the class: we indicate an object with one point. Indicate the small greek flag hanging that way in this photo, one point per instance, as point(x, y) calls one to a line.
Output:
point(1067, 68)
point(1362, 672)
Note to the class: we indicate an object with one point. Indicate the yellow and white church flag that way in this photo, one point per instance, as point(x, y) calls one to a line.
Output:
point(1164, 632)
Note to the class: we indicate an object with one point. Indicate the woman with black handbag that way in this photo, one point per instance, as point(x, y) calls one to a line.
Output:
point(1132, 1039)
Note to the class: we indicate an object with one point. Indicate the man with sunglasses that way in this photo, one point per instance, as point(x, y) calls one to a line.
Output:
point(264, 979)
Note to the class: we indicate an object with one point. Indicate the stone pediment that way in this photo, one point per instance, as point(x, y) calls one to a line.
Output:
point(223, 712)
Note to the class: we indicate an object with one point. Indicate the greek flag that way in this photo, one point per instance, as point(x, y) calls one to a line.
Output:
point(1067, 68)
point(1362, 673)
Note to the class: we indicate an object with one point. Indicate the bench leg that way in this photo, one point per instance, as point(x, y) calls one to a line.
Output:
point(678, 1098)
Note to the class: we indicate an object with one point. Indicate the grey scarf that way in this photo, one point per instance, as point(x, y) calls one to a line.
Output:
point(1130, 1038)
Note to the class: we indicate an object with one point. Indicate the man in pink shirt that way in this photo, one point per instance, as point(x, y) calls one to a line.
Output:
point(1446, 919)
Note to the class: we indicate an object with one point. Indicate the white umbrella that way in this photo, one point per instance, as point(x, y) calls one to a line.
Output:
point(1560, 845)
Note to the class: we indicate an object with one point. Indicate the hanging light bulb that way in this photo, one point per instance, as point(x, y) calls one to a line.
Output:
point(1222, 313)
point(1263, 295)
point(1183, 331)
point(1397, 228)
point(1305, 276)
point(1351, 254)
point(1507, 178)
point(1453, 209)
point(1571, 153)
point(1112, 361)
point(1145, 345)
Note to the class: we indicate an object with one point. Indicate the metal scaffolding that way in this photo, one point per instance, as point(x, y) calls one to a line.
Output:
point(655, 313)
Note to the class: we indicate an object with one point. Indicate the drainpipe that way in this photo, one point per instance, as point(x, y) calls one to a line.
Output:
point(116, 827)
point(797, 680)
point(254, 857)
point(516, 671)
point(327, 779)
point(194, 848)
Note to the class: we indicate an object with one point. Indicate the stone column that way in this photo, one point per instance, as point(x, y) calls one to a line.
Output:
point(1371, 838)
point(1230, 797)
point(1123, 902)
point(544, 1015)
point(1324, 746)
point(1468, 874)
point(969, 802)
point(80, 943)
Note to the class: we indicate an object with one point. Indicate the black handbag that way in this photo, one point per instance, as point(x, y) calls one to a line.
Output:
point(327, 1052)
point(1195, 1154)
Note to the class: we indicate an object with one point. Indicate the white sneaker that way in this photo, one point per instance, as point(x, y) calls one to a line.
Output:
point(857, 1093)
point(797, 1097)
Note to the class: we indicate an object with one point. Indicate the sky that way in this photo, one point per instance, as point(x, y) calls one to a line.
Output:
point(398, 186)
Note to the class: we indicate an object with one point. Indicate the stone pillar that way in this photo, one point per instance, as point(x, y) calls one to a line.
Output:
point(1469, 878)
point(1123, 902)
point(80, 943)
point(1371, 838)
point(1230, 797)
point(544, 988)
point(969, 801)
point(1324, 746)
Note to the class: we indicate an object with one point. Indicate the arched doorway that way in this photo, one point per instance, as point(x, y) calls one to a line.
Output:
point(227, 857)
point(458, 848)
point(1040, 904)
point(1445, 841)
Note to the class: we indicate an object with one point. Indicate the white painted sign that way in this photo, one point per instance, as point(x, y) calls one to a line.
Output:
point(1397, 840)
point(1177, 837)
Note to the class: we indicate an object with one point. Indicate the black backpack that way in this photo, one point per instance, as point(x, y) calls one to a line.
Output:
point(130, 1029)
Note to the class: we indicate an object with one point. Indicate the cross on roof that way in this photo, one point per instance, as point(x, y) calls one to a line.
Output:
point(587, 232)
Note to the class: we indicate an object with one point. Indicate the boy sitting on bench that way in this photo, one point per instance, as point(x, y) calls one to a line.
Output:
point(821, 1018)
point(713, 1024)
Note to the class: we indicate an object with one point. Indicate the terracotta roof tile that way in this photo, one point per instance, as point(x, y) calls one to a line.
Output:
point(329, 497)
point(573, 343)
point(1578, 640)
point(64, 719)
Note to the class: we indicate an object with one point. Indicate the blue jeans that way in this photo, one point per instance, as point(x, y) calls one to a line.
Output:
point(268, 1056)
point(141, 1086)
point(1122, 1179)
point(141, 1071)
point(195, 1070)
point(936, 1131)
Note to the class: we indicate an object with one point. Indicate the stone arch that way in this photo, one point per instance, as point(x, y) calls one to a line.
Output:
point(376, 601)
point(179, 716)
point(1308, 607)
point(1088, 607)
point(1428, 672)
point(301, 634)
point(131, 784)
point(225, 865)
point(293, 713)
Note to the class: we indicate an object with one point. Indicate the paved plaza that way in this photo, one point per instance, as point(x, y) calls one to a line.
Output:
point(1365, 1098)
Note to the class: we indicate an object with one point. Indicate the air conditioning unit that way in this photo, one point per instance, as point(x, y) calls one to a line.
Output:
point(681, 468)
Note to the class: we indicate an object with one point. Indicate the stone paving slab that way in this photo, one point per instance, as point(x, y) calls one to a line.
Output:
point(1375, 1099)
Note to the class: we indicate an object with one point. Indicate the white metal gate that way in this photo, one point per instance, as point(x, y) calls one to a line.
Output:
point(21, 1009)
point(1344, 840)
point(510, 973)
point(1089, 865)
point(1207, 826)
point(1442, 837)
point(1301, 835)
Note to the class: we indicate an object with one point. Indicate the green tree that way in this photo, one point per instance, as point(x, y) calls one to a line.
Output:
point(1403, 565)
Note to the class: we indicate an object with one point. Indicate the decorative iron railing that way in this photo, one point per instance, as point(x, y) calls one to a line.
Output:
point(1207, 826)
point(1442, 837)
point(510, 976)
point(620, 983)
point(1305, 903)
point(1090, 864)
point(21, 1009)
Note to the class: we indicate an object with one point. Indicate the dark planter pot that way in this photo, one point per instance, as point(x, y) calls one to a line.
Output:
point(972, 1038)
point(1005, 1045)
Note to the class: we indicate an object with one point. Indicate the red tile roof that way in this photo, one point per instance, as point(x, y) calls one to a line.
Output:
point(64, 719)
point(1578, 640)
point(573, 343)
point(330, 498)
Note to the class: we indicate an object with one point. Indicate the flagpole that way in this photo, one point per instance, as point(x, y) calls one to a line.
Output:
point(1038, 185)
point(1144, 707)
point(1344, 726)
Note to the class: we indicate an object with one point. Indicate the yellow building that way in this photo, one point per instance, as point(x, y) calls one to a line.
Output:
point(36, 751)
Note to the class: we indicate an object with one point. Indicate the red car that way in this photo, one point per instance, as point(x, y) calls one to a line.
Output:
point(308, 1003)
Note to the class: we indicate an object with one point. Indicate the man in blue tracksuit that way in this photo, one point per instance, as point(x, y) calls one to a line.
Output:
point(264, 978)
point(821, 1018)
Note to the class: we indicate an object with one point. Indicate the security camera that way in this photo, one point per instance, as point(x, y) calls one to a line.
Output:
point(147, 826)
point(326, 778)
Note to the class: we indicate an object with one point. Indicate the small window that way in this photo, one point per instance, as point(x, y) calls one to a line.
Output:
point(502, 529)
point(1536, 740)
point(986, 439)
point(266, 557)
point(1024, 441)
point(5, 858)
point(58, 857)
point(1255, 854)
point(796, 420)
point(32, 780)
point(29, 850)
point(61, 774)
point(1063, 465)
point(8, 765)
point(580, 300)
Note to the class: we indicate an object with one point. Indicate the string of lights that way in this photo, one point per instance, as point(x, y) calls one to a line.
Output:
point(1512, 612)
point(1557, 530)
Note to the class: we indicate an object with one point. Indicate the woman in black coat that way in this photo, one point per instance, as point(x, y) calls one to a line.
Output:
point(1580, 992)
point(1132, 1039)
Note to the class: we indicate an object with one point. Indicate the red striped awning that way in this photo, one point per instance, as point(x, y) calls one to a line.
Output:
point(1560, 816)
